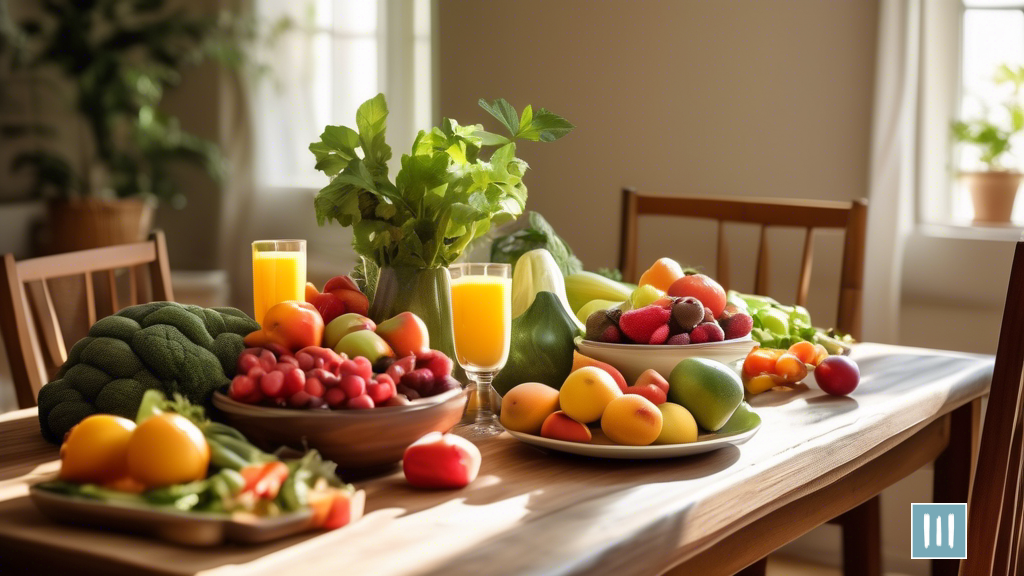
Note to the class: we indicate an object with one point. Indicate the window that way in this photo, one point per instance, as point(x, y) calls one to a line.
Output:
point(992, 33)
point(339, 54)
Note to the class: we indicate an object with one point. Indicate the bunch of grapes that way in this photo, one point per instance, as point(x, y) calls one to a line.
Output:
point(422, 375)
point(320, 378)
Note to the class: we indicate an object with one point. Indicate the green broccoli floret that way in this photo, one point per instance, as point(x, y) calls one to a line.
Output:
point(162, 345)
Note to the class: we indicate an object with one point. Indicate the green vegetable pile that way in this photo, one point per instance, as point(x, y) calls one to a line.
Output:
point(165, 346)
point(537, 234)
point(780, 326)
point(227, 488)
point(446, 193)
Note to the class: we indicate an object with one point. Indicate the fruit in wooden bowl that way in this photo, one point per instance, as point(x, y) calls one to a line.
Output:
point(354, 439)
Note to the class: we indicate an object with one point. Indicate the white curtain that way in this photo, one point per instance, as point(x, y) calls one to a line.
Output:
point(893, 173)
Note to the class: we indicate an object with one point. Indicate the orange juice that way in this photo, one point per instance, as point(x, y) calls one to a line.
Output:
point(482, 321)
point(276, 277)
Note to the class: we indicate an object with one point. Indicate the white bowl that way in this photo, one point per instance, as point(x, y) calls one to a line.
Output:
point(633, 359)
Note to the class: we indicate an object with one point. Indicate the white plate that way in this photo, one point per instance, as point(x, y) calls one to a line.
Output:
point(633, 359)
point(704, 443)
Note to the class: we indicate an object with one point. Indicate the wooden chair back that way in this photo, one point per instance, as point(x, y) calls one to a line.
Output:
point(996, 508)
point(808, 214)
point(31, 328)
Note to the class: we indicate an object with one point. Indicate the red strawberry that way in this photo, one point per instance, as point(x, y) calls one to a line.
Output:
point(736, 325)
point(639, 325)
point(680, 339)
point(707, 332)
point(660, 335)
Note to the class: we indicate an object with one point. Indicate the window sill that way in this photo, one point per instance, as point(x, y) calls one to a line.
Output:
point(993, 233)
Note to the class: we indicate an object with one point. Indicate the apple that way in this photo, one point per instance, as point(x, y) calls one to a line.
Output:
point(291, 324)
point(406, 333)
point(441, 461)
point(364, 343)
point(343, 325)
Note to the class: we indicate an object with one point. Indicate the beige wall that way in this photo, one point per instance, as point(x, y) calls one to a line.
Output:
point(727, 97)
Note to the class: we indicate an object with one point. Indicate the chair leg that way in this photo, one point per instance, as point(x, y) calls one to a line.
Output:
point(862, 540)
point(756, 569)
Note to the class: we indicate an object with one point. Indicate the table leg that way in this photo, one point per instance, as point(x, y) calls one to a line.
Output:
point(862, 539)
point(954, 468)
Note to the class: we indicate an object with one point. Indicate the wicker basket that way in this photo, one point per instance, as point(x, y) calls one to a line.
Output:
point(80, 224)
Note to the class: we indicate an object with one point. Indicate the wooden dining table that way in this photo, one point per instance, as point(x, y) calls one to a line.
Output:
point(535, 512)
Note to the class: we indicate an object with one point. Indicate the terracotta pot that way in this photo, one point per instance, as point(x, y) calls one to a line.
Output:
point(84, 223)
point(993, 194)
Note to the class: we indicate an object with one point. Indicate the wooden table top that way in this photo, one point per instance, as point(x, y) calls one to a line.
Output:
point(532, 512)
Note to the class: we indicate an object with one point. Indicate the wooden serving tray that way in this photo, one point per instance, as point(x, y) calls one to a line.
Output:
point(187, 528)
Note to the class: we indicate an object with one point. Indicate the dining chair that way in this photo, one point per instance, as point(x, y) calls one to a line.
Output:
point(995, 509)
point(862, 554)
point(30, 322)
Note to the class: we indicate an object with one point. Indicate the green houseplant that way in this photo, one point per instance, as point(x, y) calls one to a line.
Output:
point(112, 62)
point(994, 188)
point(446, 194)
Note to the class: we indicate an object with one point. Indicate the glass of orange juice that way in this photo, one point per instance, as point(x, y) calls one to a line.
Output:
point(278, 274)
point(482, 325)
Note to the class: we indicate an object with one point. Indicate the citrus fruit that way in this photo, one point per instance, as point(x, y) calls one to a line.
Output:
point(703, 288)
point(678, 425)
point(661, 274)
point(96, 449)
point(710, 390)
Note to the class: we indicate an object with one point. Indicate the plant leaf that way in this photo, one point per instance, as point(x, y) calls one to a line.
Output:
point(546, 127)
point(504, 112)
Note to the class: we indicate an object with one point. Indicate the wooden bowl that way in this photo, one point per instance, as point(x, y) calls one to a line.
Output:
point(633, 359)
point(354, 439)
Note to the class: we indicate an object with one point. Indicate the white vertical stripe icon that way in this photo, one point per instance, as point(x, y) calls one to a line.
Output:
point(938, 530)
point(927, 527)
point(950, 535)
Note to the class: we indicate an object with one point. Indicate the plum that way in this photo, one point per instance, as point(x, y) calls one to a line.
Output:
point(837, 375)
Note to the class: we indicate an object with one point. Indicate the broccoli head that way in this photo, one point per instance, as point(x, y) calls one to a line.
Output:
point(188, 350)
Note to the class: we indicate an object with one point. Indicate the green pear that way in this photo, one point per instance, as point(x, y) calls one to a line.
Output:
point(343, 325)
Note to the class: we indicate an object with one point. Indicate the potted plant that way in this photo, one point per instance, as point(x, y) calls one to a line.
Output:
point(113, 62)
point(994, 188)
point(447, 194)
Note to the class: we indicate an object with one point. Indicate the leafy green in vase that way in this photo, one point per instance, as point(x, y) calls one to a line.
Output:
point(446, 193)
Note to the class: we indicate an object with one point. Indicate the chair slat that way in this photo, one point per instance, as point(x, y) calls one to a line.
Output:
point(997, 445)
point(49, 325)
point(774, 212)
point(73, 264)
point(133, 286)
point(804, 286)
point(722, 266)
point(761, 272)
point(112, 287)
point(628, 241)
point(90, 298)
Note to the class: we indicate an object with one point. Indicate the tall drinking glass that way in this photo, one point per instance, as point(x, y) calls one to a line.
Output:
point(278, 274)
point(482, 325)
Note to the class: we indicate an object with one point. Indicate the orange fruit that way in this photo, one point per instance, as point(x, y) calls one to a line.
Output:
point(661, 274)
point(791, 368)
point(805, 351)
point(761, 361)
point(703, 288)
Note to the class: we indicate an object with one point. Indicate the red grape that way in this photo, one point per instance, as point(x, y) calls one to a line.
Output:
point(241, 388)
point(837, 375)
point(277, 350)
point(316, 402)
point(305, 360)
point(445, 384)
point(362, 402)
point(380, 391)
point(407, 392)
point(272, 384)
point(421, 380)
point(353, 385)
point(299, 400)
point(398, 400)
point(314, 387)
point(334, 397)
point(267, 360)
point(294, 381)
point(288, 359)
point(326, 378)
point(256, 373)
point(363, 367)
point(440, 364)
point(246, 362)
point(253, 351)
